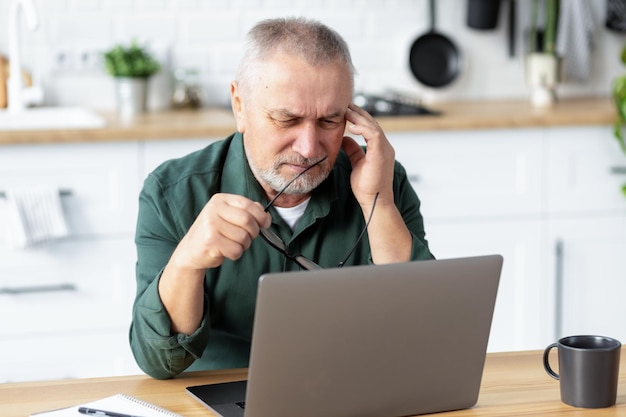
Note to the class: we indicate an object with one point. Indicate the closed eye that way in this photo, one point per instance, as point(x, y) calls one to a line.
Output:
point(284, 119)
point(330, 123)
point(286, 122)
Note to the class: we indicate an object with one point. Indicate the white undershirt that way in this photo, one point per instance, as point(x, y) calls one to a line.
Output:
point(291, 215)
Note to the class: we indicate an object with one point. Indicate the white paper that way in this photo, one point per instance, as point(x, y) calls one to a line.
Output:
point(120, 403)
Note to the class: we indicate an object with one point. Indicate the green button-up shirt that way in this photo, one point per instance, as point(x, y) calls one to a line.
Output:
point(171, 199)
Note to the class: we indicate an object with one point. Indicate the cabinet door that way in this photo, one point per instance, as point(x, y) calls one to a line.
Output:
point(591, 274)
point(53, 356)
point(474, 174)
point(65, 309)
point(524, 308)
point(156, 152)
point(102, 180)
point(587, 170)
point(71, 287)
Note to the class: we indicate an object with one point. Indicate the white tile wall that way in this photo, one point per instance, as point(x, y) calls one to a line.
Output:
point(208, 34)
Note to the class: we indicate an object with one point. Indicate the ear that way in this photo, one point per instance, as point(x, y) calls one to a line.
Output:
point(237, 106)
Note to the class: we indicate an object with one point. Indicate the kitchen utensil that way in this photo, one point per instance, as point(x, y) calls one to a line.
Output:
point(434, 59)
point(187, 92)
point(512, 28)
point(391, 104)
point(483, 14)
point(615, 15)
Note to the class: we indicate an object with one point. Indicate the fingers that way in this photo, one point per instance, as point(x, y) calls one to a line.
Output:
point(362, 123)
point(224, 229)
point(372, 172)
point(238, 212)
point(234, 221)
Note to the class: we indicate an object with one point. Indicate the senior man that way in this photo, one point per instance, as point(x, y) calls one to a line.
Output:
point(287, 191)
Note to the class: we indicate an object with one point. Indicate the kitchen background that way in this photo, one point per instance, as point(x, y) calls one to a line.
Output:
point(542, 191)
point(64, 54)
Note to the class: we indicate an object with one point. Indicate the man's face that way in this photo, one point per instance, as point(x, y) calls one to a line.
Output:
point(293, 116)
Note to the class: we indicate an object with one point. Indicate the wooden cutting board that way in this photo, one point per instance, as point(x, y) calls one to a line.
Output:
point(27, 80)
point(4, 67)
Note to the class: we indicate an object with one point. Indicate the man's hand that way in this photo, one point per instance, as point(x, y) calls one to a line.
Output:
point(372, 172)
point(224, 229)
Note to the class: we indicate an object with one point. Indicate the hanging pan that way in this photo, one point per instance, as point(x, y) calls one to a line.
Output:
point(434, 59)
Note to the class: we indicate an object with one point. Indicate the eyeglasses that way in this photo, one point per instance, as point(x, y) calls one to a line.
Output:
point(277, 243)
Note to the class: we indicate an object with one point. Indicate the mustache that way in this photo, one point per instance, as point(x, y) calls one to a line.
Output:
point(299, 160)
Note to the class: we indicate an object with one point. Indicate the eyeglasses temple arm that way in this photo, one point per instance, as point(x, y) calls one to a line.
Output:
point(341, 264)
point(268, 205)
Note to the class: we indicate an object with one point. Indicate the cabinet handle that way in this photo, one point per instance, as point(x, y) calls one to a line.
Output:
point(63, 193)
point(618, 170)
point(558, 302)
point(34, 289)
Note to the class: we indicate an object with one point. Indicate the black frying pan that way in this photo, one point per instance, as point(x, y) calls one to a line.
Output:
point(434, 59)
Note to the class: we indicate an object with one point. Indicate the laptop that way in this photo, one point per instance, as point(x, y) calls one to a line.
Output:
point(378, 340)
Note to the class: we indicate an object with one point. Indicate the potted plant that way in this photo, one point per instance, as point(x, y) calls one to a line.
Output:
point(619, 97)
point(131, 66)
point(542, 62)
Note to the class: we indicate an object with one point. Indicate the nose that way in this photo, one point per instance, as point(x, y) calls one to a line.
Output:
point(306, 141)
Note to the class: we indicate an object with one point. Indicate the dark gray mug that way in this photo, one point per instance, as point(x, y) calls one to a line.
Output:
point(588, 370)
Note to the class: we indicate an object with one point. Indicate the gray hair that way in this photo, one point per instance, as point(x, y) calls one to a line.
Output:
point(312, 41)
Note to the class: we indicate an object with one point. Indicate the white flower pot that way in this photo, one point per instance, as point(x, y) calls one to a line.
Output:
point(131, 95)
point(542, 76)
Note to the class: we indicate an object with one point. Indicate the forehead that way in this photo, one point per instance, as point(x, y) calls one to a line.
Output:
point(288, 83)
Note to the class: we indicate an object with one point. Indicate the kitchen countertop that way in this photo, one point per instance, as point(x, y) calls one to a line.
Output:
point(219, 122)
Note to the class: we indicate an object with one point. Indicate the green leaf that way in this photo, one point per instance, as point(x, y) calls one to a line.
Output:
point(551, 24)
point(619, 97)
point(130, 61)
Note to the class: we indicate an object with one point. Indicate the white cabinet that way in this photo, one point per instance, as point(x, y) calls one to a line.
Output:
point(65, 306)
point(549, 201)
point(474, 174)
point(523, 314)
point(75, 355)
point(481, 193)
point(587, 170)
point(156, 152)
point(72, 286)
point(101, 179)
point(588, 259)
point(586, 237)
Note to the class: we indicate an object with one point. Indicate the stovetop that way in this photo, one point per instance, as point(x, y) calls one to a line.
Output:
point(392, 105)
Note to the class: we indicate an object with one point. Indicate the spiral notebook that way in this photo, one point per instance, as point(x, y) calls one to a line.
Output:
point(119, 403)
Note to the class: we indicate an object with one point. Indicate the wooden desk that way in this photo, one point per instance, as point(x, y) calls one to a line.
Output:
point(514, 384)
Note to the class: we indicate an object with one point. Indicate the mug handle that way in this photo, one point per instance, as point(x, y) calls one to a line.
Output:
point(546, 363)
